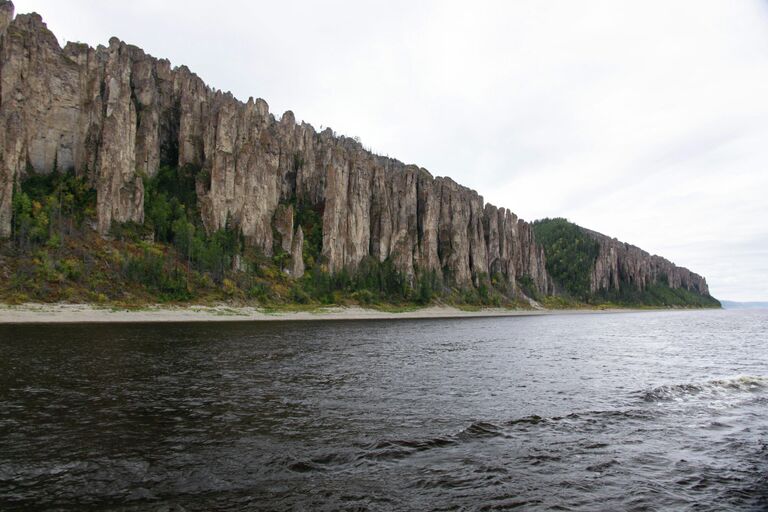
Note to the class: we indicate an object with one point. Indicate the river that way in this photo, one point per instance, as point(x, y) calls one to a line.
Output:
point(628, 411)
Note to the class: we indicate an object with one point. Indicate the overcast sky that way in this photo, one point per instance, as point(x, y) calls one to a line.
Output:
point(645, 120)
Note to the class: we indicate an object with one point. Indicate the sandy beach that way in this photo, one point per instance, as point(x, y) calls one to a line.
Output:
point(85, 313)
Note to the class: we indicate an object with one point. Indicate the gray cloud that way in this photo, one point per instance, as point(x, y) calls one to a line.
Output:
point(644, 120)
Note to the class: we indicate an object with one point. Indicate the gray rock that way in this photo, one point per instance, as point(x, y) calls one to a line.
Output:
point(297, 257)
point(621, 263)
point(283, 224)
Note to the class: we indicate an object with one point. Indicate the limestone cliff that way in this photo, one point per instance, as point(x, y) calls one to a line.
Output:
point(619, 262)
point(114, 113)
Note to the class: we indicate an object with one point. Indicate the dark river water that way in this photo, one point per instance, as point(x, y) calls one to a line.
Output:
point(631, 411)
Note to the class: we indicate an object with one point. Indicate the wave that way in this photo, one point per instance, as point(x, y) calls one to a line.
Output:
point(744, 383)
point(401, 448)
point(394, 449)
point(583, 422)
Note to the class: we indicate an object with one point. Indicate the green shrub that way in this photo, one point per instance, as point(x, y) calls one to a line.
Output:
point(364, 297)
point(258, 291)
point(71, 268)
point(158, 274)
point(46, 208)
point(528, 286)
point(427, 286)
point(300, 296)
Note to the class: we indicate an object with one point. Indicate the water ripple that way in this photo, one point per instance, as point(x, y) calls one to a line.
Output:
point(606, 412)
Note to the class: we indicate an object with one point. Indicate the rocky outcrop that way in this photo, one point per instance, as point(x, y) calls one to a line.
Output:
point(289, 240)
point(620, 264)
point(10, 126)
point(297, 254)
point(283, 224)
point(36, 127)
point(114, 114)
point(71, 108)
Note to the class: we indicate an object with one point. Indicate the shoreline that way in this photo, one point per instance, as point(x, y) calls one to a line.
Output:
point(87, 313)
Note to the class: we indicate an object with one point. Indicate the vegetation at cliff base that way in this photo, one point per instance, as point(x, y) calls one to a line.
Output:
point(655, 295)
point(49, 209)
point(56, 255)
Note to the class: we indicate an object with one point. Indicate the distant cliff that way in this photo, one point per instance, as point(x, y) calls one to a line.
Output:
point(620, 264)
point(114, 115)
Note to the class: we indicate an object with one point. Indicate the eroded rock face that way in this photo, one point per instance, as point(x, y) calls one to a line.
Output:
point(65, 109)
point(38, 103)
point(114, 114)
point(297, 256)
point(119, 188)
point(283, 224)
point(621, 264)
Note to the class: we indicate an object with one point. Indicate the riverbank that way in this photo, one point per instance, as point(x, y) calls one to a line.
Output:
point(84, 313)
